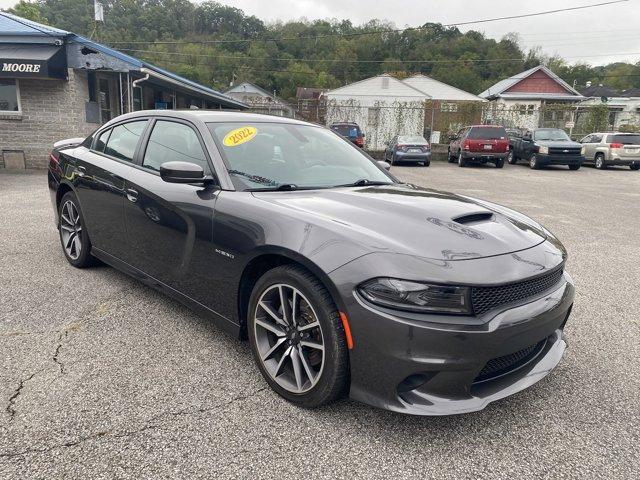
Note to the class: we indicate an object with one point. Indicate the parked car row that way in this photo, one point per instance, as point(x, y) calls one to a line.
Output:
point(538, 147)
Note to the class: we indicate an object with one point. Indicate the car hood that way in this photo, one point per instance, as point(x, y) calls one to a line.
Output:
point(558, 144)
point(413, 220)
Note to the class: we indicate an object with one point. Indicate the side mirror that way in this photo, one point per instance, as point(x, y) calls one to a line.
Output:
point(384, 164)
point(182, 172)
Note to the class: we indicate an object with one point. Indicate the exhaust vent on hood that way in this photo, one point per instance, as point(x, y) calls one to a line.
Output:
point(473, 218)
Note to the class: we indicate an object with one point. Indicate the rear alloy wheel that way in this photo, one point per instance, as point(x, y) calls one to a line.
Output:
point(600, 165)
point(73, 234)
point(297, 338)
point(534, 163)
point(450, 158)
point(462, 162)
point(511, 158)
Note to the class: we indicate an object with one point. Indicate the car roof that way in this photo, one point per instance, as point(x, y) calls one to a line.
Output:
point(211, 116)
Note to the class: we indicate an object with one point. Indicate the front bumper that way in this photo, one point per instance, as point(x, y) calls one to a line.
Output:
point(560, 159)
point(431, 365)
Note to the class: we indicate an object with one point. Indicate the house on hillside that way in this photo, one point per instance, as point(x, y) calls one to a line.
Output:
point(383, 106)
point(450, 108)
point(531, 99)
point(260, 100)
point(624, 106)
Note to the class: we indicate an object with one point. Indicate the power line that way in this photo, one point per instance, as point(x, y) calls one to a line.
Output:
point(314, 73)
point(374, 32)
point(338, 60)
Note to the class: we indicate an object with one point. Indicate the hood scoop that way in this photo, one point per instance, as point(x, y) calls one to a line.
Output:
point(472, 218)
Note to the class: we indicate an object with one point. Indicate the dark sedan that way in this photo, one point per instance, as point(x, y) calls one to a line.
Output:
point(408, 148)
point(344, 280)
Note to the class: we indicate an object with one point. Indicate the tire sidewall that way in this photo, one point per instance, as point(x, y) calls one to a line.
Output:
point(84, 259)
point(335, 354)
point(461, 160)
point(599, 162)
point(533, 162)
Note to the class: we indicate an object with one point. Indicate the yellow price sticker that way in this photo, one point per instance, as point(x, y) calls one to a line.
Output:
point(239, 136)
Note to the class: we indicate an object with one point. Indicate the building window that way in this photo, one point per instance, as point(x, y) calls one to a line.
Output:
point(105, 100)
point(448, 107)
point(374, 116)
point(9, 95)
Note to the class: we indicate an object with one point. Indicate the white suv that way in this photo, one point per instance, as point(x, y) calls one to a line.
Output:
point(604, 149)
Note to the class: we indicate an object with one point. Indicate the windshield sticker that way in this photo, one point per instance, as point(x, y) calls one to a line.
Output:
point(239, 136)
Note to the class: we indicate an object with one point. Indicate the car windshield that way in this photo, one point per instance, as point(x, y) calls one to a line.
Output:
point(269, 156)
point(351, 131)
point(629, 139)
point(487, 133)
point(551, 134)
point(414, 139)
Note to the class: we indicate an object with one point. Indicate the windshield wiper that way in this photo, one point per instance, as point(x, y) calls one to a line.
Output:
point(362, 182)
point(253, 178)
point(283, 187)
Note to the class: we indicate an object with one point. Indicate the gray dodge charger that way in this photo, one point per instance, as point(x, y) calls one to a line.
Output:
point(344, 280)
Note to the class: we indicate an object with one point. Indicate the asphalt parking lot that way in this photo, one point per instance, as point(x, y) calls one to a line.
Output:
point(101, 377)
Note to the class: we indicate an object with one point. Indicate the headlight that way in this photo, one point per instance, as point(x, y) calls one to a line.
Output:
point(543, 150)
point(416, 297)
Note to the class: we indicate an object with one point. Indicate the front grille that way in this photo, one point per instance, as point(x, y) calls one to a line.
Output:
point(500, 365)
point(484, 299)
point(564, 151)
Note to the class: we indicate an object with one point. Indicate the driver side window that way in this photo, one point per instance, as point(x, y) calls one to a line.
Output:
point(173, 142)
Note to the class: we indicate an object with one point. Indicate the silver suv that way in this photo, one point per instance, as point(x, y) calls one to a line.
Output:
point(604, 149)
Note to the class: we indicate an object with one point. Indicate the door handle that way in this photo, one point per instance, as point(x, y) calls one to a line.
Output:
point(81, 171)
point(132, 195)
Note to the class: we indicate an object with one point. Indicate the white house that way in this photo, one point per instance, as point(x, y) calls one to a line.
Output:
point(440, 91)
point(260, 100)
point(383, 106)
point(519, 100)
point(624, 106)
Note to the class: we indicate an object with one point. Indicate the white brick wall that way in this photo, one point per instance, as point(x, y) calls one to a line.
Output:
point(51, 110)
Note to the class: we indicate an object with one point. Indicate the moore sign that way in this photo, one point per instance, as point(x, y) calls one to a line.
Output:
point(21, 67)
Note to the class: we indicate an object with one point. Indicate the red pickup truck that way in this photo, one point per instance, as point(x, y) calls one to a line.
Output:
point(479, 143)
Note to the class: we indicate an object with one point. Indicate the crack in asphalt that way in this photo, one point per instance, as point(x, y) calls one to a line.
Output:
point(149, 425)
point(16, 393)
point(56, 354)
point(62, 336)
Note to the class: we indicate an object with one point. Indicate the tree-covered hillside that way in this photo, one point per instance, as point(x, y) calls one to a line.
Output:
point(227, 44)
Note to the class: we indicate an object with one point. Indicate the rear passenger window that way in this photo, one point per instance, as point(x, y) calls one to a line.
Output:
point(171, 142)
point(124, 139)
point(102, 140)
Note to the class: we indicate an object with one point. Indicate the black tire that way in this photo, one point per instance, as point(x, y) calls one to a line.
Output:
point(600, 163)
point(635, 166)
point(574, 167)
point(426, 164)
point(511, 158)
point(534, 163)
point(450, 158)
point(334, 375)
point(393, 159)
point(462, 162)
point(83, 258)
point(500, 163)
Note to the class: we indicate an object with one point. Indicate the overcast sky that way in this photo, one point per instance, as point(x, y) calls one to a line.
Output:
point(596, 35)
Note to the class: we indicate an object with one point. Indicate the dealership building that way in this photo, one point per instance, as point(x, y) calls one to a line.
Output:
point(55, 84)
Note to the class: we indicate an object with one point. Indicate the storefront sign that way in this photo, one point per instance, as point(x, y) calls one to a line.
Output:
point(32, 61)
point(21, 67)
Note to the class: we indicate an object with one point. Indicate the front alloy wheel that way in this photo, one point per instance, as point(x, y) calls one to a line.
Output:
point(297, 337)
point(534, 163)
point(289, 338)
